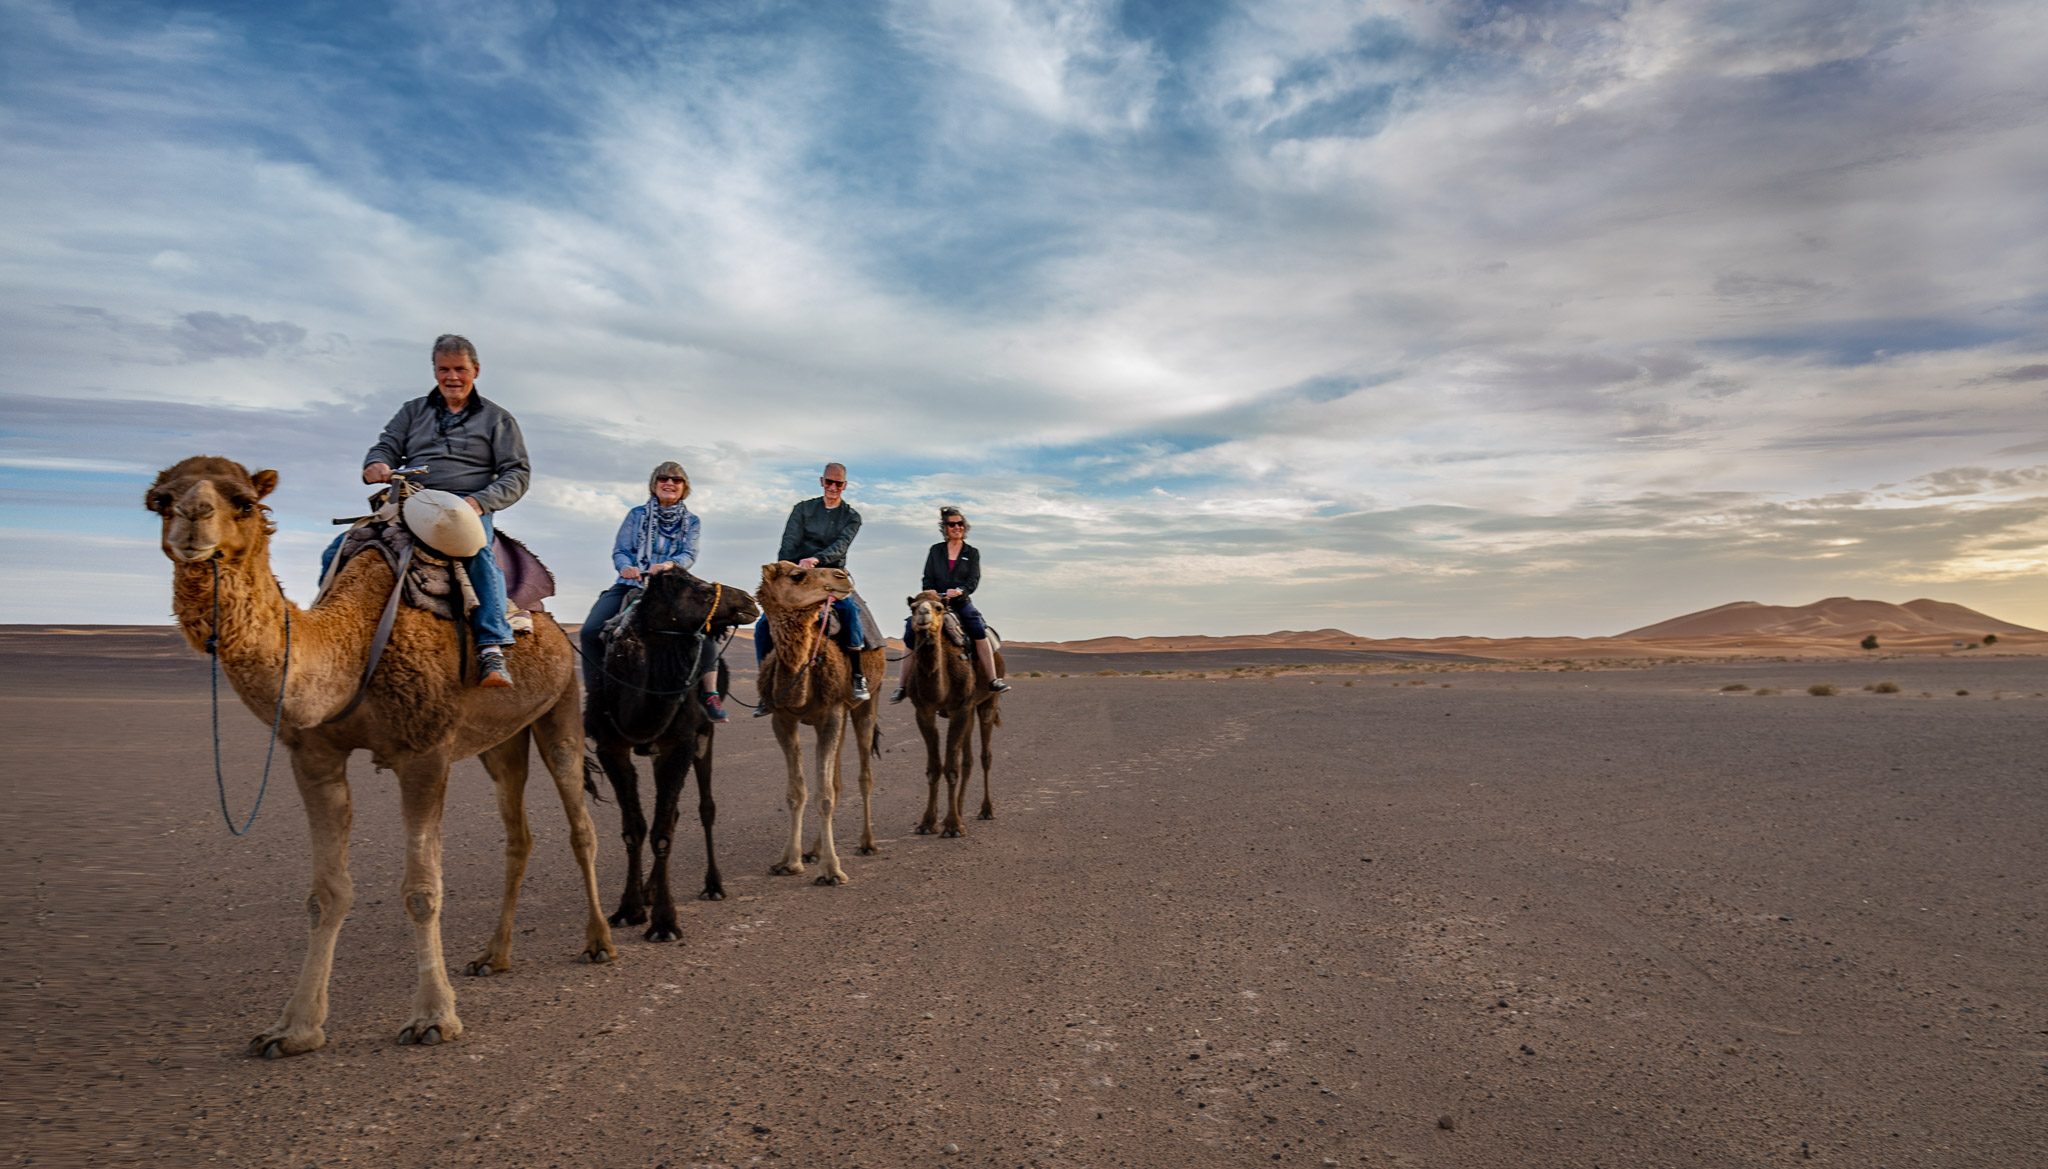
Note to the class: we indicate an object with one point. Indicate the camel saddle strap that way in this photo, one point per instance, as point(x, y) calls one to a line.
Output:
point(383, 637)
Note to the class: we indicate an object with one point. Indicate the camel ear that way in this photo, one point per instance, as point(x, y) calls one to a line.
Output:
point(265, 481)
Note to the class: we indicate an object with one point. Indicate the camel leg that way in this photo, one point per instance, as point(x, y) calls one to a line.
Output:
point(831, 736)
point(987, 713)
point(322, 775)
point(707, 814)
point(616, 757)
point(422, 793)
point(959, 737)
point(671, 772)
point(786, 734)
point(560, 735)
point(865, 716)
point(507, 764)
point(928, 726)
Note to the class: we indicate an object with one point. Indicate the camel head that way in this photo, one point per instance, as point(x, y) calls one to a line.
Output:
point(678, 602)
point(209, 508)
point(928, 614)
point(786, 586)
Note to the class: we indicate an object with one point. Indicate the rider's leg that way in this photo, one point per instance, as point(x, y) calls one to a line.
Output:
point(853, 638)
point(590, 638)
point(493, 629)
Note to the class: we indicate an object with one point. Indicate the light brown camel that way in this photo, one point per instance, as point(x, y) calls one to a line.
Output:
point(417, 718)
point(804, 680)
point(943, 681)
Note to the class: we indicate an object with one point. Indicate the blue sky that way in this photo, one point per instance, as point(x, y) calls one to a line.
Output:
point(1412, 319)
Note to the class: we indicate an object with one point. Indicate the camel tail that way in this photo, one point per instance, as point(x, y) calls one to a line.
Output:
point(590, 773)
point(998, 708)
point(875, 748)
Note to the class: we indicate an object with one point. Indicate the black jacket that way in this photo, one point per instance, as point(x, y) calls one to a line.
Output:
point(965, 574)
point(816, 530)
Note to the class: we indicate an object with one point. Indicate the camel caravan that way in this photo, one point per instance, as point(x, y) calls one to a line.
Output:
point(428, 644)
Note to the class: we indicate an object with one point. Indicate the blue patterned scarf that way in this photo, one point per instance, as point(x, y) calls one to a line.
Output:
point(661, 529)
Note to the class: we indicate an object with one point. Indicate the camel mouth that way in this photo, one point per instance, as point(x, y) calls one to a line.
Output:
point(194, 555)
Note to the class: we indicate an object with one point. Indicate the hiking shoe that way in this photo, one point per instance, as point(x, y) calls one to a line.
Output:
point(998, 685)
point(860, 687)
point(496, 675)
point(902, 692)
point(714, 707)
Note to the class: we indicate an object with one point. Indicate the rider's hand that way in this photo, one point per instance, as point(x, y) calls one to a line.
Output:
point(377, 473)
point(629, 573)
point(808, 562)
point(474, 506)
point(951, 593)
point(664, 566)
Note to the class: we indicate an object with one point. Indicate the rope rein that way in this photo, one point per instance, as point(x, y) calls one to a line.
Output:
point(220, 782)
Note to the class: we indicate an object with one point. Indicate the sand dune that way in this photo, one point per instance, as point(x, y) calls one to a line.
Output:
point(1834, 627)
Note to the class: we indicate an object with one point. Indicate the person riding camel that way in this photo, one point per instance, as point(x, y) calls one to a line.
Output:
point(818, 533)
point(473, 449)
point(952, 569)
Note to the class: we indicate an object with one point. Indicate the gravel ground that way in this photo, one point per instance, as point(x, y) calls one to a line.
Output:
point(1609, 918)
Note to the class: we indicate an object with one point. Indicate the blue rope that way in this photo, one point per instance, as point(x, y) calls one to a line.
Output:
point(220, 782)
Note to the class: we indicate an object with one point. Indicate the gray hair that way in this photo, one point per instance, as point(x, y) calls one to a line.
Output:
point(456, 343)
point(673, 470)
point(831, 467)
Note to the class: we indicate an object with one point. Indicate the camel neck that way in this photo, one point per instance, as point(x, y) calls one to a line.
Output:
point(250, 639)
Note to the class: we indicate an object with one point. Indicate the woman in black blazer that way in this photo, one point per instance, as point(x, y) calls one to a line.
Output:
point(952, 569)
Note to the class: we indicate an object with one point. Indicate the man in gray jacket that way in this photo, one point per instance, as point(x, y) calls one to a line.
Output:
point(472, 448)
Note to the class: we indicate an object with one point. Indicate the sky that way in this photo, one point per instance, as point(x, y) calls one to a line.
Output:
point(1409, 319)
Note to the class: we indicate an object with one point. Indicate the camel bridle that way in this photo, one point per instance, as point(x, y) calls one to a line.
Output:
point(220, 782)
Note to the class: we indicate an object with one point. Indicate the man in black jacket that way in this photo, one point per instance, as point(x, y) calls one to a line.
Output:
point(818, 533)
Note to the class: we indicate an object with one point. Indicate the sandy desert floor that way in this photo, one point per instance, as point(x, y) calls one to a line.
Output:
point(1490, 918)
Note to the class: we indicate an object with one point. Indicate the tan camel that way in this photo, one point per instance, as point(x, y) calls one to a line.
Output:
point(417, 718)
point(943, 682)
point(806, 681)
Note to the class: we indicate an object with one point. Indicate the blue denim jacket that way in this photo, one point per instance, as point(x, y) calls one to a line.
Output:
point(626, 545)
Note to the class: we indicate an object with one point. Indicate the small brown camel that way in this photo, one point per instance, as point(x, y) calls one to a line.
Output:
point(804, 680)
point(943, 682)
point(417, 717)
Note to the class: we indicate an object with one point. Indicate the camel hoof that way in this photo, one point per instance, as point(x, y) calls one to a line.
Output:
point(595, 957)
point(481, 968)
point(428, 1038)
point(951, 832)
point(829, 879)
point(810, 858)
point(626, 917)
point(869, 850)
point(986, 815)
point(670, 934)
point(782, 870)
point(273, 1049)
point(924, 830)
point(711, 895)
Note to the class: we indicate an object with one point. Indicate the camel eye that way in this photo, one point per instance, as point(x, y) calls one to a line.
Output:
point(160, 503)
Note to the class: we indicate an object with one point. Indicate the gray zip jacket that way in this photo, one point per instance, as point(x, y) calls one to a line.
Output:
point(481, 454)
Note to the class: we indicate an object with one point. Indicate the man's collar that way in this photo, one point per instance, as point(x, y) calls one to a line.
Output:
point(438, 402)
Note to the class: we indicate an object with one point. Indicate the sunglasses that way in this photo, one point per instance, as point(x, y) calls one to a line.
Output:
point(833, 482)
point(670, 479)
point(956, 523)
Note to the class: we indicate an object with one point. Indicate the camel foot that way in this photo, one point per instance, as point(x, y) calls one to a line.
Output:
point(663, 934)
point(597, 957)
point(833, 879)
point(484, 967)
point(987, 814)
point(785, 869)
point(628, 917)
point(277, 1043)
point(952, 832)
point(924, 830)
point(711, 894)
point(869, 850)
point(811, 858)
point(428, 1037)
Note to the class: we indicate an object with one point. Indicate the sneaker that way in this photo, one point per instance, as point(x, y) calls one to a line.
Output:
point(860, 684)
point(496, 675)
point(998, 685)
point(902, 692)
point(715, 707)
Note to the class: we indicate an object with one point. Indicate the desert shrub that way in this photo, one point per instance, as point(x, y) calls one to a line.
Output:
point(1445, 685)
point(1869, 641)
point(1962, 694)
point(1822, 689)
point(1991, 639)
point(1735, 686)
point(1108, 674)
point(1763, 691)
point(1883, 687)
point(1062, 675)
point(1350, 681)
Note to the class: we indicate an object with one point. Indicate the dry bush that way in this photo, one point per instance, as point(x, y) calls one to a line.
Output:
point(1735, 686)
point(1350, 681)
point(1822, 689)
point(1962, 694)
point(1108, 674)
point(1763, 691)
point(1883, 687)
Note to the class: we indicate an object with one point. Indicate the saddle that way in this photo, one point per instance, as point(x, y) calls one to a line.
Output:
point(438, 585)
point(957, 634)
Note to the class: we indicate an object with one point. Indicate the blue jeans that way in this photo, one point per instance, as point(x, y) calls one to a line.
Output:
point(851, 634)
point(492, 627)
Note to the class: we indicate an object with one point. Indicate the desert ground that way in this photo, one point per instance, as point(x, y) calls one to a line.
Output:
point(1384, 906)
